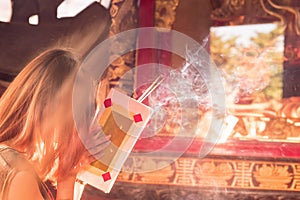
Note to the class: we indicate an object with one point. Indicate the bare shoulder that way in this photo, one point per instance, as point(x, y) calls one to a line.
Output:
point(24, 186)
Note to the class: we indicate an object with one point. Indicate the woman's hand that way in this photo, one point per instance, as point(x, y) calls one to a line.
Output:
point(95, 146)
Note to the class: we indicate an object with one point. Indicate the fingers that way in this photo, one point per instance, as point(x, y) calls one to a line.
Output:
point(99, 144)
point(96, 149)
point(97, 136)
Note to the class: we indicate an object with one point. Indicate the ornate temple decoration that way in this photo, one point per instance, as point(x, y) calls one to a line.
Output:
point(276, 121)
point(280, 121)
point(286, 7)
point(273, 176)
point(234, 12)
point(229, 10)
point(220, 173)
point(285, 12)
point(213, 172)
point(165, 13)
point(124, 17)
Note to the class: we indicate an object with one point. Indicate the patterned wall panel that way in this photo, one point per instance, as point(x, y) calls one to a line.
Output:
point(215, 173)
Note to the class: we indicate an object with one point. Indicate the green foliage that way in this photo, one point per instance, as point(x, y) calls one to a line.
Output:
point(260, 59)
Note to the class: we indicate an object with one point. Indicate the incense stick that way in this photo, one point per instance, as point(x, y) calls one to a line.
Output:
point(150, 89)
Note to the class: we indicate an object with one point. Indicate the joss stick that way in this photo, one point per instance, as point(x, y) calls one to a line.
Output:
point(150, 89)
point(185, 66)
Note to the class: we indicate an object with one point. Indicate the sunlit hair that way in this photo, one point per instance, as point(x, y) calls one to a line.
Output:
point(36, 114)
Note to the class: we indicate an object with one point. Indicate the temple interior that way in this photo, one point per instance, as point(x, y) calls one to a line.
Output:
point(226, 107)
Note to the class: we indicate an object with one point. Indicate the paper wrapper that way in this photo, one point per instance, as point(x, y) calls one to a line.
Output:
point(124, 119)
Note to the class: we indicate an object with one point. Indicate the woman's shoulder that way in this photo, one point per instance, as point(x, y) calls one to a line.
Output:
point(17, 172)
point(24, 186)
point(13, 158)
point(13, 167)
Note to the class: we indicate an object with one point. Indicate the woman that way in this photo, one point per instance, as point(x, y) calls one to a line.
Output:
point(38, 138)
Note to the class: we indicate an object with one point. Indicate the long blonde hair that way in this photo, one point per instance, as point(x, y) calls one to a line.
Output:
point(36, 114)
